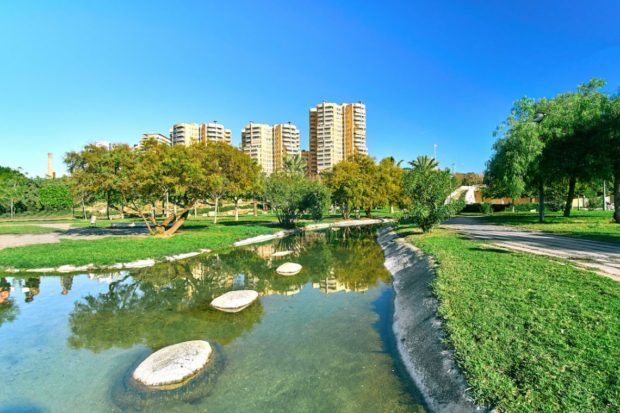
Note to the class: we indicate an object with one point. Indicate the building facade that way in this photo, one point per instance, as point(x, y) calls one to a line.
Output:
point(354, 115)
point(286, 142)
point(257, 142)
point(157, 136)
point(185, 134)
point(337, 132)
point(215, 132)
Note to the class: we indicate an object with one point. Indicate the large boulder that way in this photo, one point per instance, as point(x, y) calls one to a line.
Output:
point(234, 301)
point(173, 364)
point(288, 268)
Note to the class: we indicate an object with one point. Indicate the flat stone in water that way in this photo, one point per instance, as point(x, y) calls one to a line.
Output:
point(173, 364)
point(288, 268)
point(234, 301)
point(281, 253)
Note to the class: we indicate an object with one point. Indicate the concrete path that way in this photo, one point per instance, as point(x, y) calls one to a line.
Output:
point(601, 257)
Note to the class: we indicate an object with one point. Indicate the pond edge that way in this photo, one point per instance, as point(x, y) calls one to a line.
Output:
point(420, 338)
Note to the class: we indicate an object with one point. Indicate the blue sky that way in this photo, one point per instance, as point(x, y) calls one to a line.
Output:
point(442, 73)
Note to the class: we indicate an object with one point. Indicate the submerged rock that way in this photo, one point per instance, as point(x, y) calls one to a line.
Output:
point(288, 268)
point(173, 364)
point(281, 253)
point(234, 301)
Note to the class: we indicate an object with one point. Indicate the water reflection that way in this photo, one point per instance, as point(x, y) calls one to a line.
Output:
point(169, 303)
point(8, 309)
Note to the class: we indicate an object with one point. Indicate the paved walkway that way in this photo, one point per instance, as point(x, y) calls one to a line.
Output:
point(602, 257)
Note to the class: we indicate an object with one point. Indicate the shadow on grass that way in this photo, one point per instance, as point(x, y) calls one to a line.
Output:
point(490, 249)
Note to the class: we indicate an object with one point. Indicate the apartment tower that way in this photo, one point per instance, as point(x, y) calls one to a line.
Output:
point(185, 133)
point(157, 136)
point(257, 142)
point(190, 133)
point(215, 132)
point(286, 142)
point(337, 132)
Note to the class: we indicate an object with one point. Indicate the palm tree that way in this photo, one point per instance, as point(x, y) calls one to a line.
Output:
point(295, 164)
point(424, 163)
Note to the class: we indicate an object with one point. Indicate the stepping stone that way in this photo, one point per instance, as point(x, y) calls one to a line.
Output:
point(234, 301)
point(281, 253)
point(288, 269)
point(173, 364)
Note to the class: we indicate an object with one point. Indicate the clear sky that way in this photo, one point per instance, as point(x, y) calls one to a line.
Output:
point(430, 72)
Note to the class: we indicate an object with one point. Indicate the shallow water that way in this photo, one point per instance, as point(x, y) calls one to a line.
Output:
point(319, 341)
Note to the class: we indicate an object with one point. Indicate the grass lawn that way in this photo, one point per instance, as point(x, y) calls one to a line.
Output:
point(597, 225)
point(111, 250)
point(25, 229)
point(531, 334)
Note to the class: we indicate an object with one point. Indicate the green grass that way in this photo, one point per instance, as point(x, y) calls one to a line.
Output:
point(110, 250)
point(531, 334)
point(25, 229)
point(596, 225)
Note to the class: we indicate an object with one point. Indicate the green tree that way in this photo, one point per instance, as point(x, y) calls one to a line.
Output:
point(390, 180)
point(55, 194)
point(14, 188)
point(571, 152)
point(515, 168)
point(291, 195)
point(428, 188)
point(355, 184)
point(609, 144)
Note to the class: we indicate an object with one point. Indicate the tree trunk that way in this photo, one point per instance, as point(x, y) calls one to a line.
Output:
point(617, 197)
point(236, 209)
point(107, 207)
point(217, 201)
point(369, 213)
point(572, 182)
point(83, 208)
point(391, 209)
point(12, 209)
point(541, 201)
point(177, 224)
point(255, 207)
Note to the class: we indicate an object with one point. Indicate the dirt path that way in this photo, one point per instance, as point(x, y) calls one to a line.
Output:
point(20, 240)
point(602, 257)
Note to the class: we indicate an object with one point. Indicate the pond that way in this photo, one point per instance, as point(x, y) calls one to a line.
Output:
point(318, 341)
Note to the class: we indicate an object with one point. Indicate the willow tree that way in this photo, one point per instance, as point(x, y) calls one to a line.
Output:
point(572, 121)
point(515, 166)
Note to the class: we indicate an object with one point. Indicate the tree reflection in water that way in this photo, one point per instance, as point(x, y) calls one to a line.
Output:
point(8, 309)
point(169, 303)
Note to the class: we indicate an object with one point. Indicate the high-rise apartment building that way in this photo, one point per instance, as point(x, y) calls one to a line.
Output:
point(354, 129)
point(185, 133)
point(337, 132)
point(270, 145)
point(190, 133)
point(286, 142)
point(257, 142)
point(215, 132)
point(157, 136)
